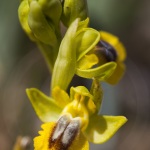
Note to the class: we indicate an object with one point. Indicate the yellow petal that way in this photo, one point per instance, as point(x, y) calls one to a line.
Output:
point(117, 74)
point(41, 142)
point(87, 61)
point(61, 97)
point(114, 41)
point(102, 128)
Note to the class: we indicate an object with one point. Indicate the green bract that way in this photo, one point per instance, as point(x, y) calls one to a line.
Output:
point(66, 59)
point(81, 104)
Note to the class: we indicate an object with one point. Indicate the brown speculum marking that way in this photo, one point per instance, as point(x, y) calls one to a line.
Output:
point(69, 134)
point(64, 133)
point(105, 49)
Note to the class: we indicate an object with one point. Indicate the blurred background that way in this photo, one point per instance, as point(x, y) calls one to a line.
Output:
point(22, 66)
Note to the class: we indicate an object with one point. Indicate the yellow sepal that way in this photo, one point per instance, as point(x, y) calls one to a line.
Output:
point(102, 128)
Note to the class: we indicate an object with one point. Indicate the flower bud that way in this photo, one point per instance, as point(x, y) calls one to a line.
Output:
point(23, 12)
point(73, 9)
point(52, 9)
point(39, 25)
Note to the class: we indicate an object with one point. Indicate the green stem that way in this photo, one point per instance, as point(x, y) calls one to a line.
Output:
point(97, 92)
point(49, 53)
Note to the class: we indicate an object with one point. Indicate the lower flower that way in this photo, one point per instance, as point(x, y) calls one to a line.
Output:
point(72, 121)
point(61, 135)
point(66, 133)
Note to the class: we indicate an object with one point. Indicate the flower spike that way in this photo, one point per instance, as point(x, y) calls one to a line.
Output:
point(72, 121)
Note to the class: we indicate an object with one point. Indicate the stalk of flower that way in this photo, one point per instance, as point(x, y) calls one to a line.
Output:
point(70, 122)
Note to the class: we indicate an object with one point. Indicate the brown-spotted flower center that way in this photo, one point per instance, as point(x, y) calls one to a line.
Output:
point(64, 133)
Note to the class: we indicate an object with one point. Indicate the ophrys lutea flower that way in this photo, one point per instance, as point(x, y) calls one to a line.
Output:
point(70, 122)
point(105, 61)
point(89, 54)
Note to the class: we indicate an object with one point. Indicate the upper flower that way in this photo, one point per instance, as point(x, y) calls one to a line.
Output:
point(90, 54)
point(76, 115)
point(105, 61)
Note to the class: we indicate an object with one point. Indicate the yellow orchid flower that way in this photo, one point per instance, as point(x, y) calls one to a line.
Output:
point(70, 122)
point(89, 54)
point(76, 56)
point(109, 50)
